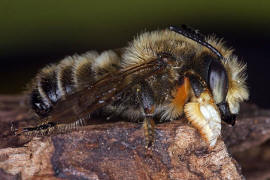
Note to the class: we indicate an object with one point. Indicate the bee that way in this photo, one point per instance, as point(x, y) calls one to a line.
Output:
point(158, 77)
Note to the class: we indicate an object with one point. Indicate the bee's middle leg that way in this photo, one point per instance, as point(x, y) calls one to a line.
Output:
point(149, 131)
point(145, 97)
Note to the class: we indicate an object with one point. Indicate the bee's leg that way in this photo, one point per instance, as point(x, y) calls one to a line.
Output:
point(202, 111)
point(37, 130)
point(145, 96)
point(149, 130)
point(203, 114)
point(50, 127)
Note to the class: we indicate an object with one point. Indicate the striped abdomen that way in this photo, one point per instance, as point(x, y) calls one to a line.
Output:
point(55, 82)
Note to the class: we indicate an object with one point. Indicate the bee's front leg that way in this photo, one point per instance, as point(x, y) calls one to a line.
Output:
point(201, 111)
point(203, 114)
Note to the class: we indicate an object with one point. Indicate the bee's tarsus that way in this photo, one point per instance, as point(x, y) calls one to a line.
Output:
point(149, 132)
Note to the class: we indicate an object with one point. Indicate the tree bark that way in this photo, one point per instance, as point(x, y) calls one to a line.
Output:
point(116, 150)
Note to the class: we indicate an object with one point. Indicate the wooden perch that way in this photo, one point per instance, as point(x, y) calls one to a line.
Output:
point(116, 150)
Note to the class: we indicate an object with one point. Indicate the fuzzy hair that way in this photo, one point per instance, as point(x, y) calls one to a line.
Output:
point(238, 90)
point(236, 71)
point(146, 46)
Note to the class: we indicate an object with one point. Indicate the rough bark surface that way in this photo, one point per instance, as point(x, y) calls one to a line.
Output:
point(116, 150)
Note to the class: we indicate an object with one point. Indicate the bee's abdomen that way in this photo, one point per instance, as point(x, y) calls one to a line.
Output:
point(39, 104)
point(56, 82)
point(46, 91)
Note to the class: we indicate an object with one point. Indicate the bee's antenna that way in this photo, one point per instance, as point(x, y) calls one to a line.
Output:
point(195, 36)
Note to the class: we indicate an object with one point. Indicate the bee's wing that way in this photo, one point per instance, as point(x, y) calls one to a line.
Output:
point(81, 104)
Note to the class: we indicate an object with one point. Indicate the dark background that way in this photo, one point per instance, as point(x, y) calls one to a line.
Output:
point(34, 33)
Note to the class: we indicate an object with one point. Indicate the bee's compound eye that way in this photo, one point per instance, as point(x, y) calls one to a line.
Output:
point(218, 81)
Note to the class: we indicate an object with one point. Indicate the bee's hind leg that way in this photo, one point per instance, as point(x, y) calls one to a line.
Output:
point(51, 127)
point(37, 130)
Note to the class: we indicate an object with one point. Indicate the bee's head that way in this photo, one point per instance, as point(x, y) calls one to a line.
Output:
point(222, 73)
point(226, 89)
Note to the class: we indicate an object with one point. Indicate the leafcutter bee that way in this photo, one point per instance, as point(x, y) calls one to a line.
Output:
point(158, 77)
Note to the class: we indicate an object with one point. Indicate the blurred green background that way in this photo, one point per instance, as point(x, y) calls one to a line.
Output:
point(34, 33)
